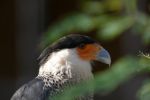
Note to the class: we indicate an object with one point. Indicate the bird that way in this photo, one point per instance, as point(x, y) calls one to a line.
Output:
point(64, 63)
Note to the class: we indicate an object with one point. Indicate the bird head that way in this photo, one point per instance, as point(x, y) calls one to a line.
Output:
point(75, 49)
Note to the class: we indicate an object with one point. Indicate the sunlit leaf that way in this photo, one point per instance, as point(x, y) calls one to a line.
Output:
point(114, 28)
point(93, 7)
point(113, 5)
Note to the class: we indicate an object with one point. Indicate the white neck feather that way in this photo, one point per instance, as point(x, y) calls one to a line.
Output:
point(67, 61)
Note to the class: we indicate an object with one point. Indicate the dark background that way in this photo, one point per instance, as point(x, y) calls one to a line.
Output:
point(22, 24)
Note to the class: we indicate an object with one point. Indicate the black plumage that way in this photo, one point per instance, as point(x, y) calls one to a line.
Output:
point(41, 88)
point(31, 91)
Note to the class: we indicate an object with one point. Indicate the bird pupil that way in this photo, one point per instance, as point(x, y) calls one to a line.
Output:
point(82, 45)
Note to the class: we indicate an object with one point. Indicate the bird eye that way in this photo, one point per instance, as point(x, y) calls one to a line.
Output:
point(82, 46)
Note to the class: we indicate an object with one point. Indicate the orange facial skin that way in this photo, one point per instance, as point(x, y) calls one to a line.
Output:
point(89, 51)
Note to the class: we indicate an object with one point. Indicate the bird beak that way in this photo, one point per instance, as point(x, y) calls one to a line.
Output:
point(103, 56)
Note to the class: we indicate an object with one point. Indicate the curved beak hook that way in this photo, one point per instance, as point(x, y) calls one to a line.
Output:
point(103, 56)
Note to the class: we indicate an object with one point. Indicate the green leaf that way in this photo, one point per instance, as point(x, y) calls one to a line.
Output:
point(113, 5)
point(93, 7)
point(114, 28)
point(145, 61)
point(146, 35)
point(144, 92)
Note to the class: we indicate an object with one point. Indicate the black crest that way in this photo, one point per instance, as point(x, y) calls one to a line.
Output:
point(69, 41)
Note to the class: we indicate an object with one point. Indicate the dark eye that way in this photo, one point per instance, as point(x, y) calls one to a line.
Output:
point(82, 46)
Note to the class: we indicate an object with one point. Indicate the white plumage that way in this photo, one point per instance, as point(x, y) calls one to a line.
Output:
point(67, 61)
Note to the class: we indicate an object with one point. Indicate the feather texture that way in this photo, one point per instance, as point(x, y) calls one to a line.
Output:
point(62, 68)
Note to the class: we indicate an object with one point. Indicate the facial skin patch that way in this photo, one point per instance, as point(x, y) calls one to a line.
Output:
point(89, 51)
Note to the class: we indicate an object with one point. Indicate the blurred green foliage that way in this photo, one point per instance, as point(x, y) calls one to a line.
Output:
point(109, 19)
point(144, 92)
point(107, 81)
